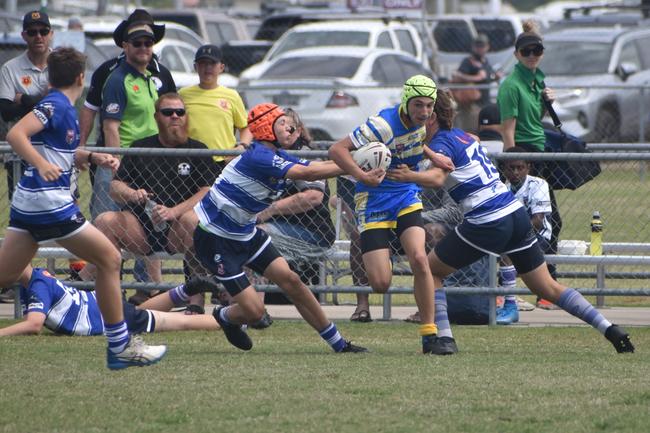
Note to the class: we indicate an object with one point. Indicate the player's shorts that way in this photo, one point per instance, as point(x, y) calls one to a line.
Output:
point(225, 258)
point(138, 321)
point(50, 232)
point(512, 235)
point(380, 210)
point(157, 241)
point(379, 239)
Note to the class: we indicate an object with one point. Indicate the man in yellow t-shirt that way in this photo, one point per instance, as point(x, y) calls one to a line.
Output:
point(214, 111)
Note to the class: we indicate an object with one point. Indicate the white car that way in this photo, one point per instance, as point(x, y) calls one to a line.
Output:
point(365, 33)
point(178, 57)
point(333, 89)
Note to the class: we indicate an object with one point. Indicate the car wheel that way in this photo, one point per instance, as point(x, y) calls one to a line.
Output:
point(607, 126)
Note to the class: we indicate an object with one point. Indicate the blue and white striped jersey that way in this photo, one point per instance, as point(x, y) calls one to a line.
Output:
point(247, 186)
point(68, 310)
point(475, 183)
point(35, 200)
point(405, 145)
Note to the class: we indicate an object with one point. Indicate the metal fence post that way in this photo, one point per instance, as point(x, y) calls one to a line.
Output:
point(15, 167)
point(600, 284)
point(387, 306)
point(492, 282)
point(642, 119)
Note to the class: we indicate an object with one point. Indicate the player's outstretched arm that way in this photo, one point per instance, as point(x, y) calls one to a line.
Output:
point(340, 154)
point(32, 325)
point(316, 170)
point(432, 178)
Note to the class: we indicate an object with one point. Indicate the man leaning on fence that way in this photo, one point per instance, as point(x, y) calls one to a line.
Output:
point(157, 193)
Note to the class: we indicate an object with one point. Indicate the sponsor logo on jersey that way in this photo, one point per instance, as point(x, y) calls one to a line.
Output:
point(113, 108)
point(224, 104)
point(35, 306)
point(26, 80)
point(69, 136)
point(279, 162)
point(136, 88)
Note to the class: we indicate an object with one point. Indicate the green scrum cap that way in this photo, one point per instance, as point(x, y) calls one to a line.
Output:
point(417, 85)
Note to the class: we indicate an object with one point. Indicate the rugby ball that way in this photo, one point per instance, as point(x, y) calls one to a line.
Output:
point(372, 155)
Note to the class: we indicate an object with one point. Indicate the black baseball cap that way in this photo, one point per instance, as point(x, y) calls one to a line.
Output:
point(210, 52)
point(528, 38)
point(489, 115)
point(35, 17)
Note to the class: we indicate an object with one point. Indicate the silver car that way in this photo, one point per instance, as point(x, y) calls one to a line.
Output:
point(598, 75)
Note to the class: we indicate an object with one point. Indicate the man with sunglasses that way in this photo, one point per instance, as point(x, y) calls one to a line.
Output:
point(157, 193)
point(24, 82)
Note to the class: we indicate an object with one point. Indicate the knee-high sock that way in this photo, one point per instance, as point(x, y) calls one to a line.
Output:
point(442, 319)
point(574, 303)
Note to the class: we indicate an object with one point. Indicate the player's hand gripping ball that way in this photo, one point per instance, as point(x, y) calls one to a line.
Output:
point(372, 155)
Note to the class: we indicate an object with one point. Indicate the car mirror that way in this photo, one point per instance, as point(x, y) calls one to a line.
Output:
point(624, 70)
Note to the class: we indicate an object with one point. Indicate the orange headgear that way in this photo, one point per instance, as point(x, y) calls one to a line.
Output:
point(261, 119)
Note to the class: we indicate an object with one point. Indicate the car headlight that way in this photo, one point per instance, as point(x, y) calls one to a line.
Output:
point(571, 94)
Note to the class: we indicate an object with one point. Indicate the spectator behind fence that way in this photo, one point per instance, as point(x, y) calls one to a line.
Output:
point(129, 94)
point(384, 206)
point(157, 193)
point(64, 310)
point(43, 208)
point(300, 223)
point(534, 193)
point(521, 108)
point(496, 223)
point(227, 239)
point(474, 69)
point(23, 82)
point(214, 113)
point(161, 77)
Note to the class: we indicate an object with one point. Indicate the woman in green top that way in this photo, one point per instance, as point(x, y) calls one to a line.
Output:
point(521, 107)
point(520, 94)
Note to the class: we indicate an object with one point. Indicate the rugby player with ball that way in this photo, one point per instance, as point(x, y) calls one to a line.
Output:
point(384, 206)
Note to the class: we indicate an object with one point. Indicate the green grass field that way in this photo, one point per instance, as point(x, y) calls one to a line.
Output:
point(504, 380)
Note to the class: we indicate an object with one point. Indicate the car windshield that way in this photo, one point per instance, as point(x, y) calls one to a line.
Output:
point(297, 40)
point(314, 67)
point(575, 58)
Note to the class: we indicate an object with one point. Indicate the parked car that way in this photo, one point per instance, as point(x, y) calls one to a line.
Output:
point(334, 88)
point(212, 27)
point(367, 33)
point(582, 62)
point(178, 57)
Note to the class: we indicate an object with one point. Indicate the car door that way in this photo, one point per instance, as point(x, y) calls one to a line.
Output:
point(387, 72)
point(628, 98)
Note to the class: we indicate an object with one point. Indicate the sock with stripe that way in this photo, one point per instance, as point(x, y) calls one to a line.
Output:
point(575, 304)
point(331, 335)
point(224, 317)
point(178, 295)
point(117, 335)
point(442, 319)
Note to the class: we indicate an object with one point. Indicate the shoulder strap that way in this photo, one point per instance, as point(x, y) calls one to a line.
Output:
point(551, 111)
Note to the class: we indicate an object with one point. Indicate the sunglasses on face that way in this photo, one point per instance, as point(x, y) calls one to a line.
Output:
point(137, 44)
point(167, 112)
point(536, 51)
point(33, 32)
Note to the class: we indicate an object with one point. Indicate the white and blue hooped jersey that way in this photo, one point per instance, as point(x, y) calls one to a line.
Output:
point(534, 194)
point(68, 310)
point(475, 183)
point(35, 200)
point(405, 145)
point(247, 186)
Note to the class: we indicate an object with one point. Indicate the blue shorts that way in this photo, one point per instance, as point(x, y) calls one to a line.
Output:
point(138, 321)
point(226, 258)
point(512, 235)
point(50, 232)
point(380, 210)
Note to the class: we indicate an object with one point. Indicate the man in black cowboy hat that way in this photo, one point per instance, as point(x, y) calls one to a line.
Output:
point(160, 76)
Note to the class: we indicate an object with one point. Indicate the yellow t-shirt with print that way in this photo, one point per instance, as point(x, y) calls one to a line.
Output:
point(213, 114)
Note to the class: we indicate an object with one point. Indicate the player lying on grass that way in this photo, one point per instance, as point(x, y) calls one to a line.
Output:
point(227, 239)
point(48, 302)
point(495, 222)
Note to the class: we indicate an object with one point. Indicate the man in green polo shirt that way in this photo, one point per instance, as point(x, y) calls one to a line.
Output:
point(129, 94)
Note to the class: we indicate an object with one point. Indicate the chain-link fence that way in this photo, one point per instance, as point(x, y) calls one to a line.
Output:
point(318, 236)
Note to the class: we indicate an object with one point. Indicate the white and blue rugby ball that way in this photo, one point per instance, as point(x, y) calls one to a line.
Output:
point(373, 155)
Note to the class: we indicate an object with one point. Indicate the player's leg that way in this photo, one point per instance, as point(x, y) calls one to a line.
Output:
point(91, 245)
point(18, 249)
point(375, 250)
point(166, 321)
point(179, 240)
